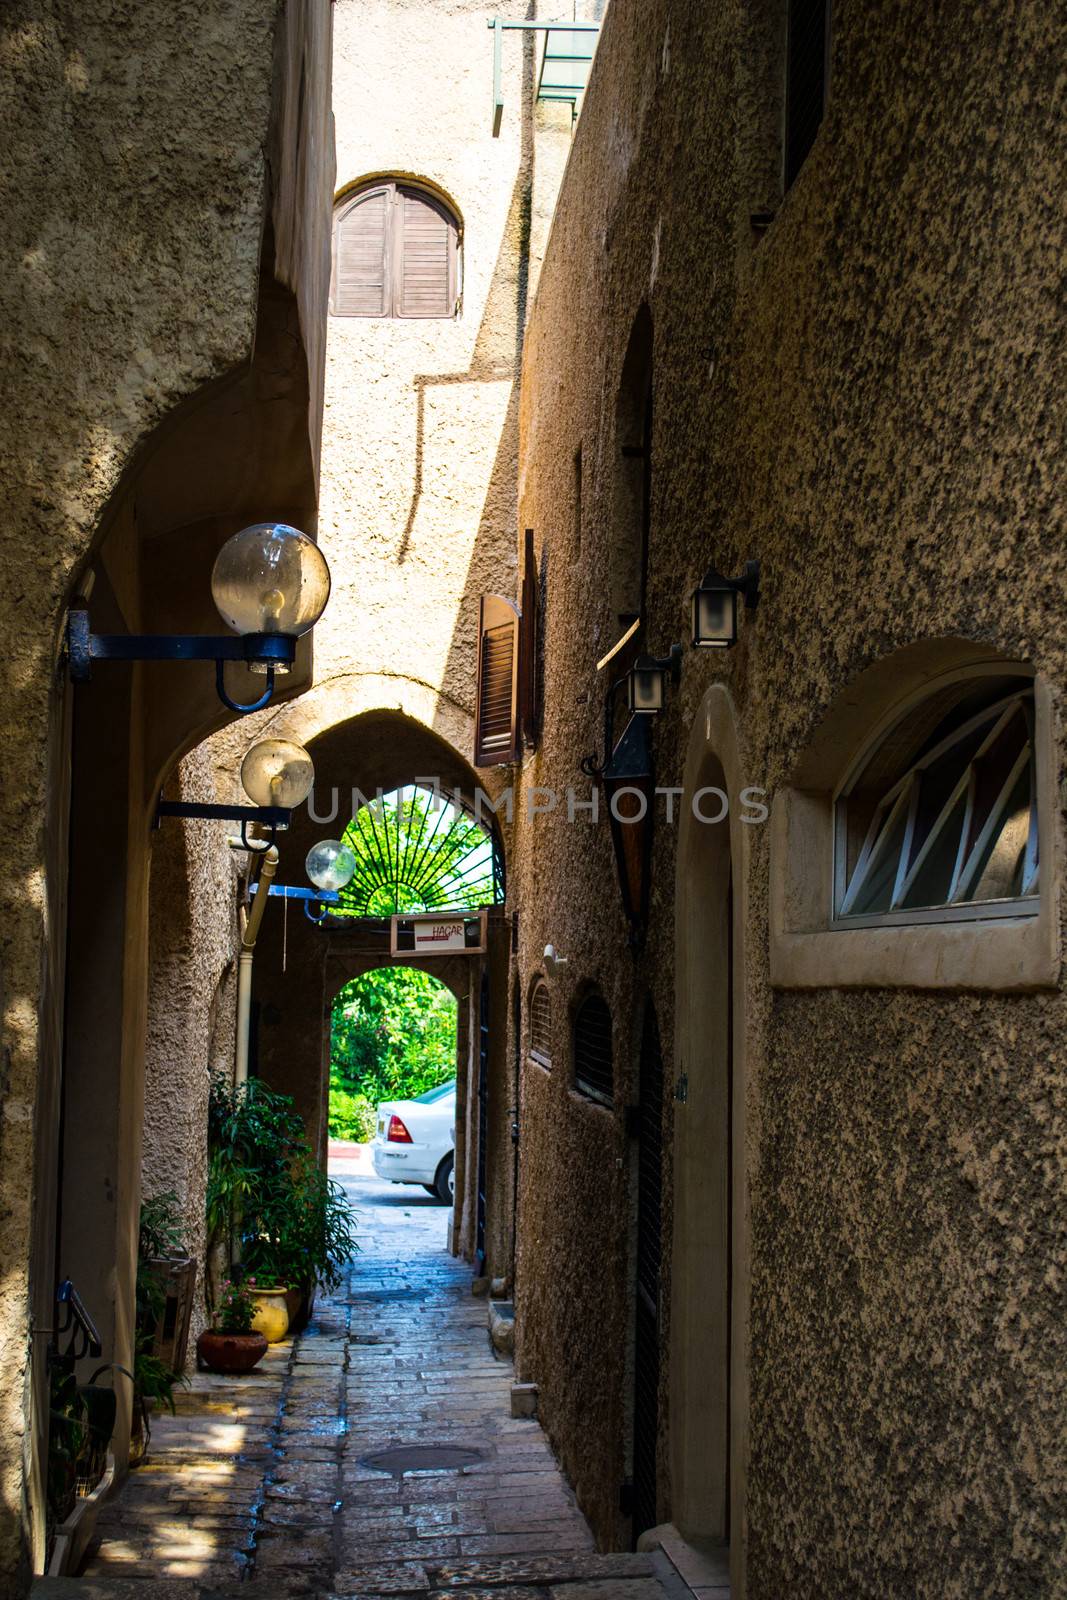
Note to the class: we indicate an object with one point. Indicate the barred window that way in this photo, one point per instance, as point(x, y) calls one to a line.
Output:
point(941, 818)
point(594, 1073)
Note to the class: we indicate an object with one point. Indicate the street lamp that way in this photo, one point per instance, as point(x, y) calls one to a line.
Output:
point(276, 774)
point(270, 584)
point(330, 864)
point(714, 603)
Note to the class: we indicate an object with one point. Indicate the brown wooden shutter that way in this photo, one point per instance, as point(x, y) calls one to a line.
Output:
point(426, 277)
point(530, 647)
point(496, 714)
point(361, 257)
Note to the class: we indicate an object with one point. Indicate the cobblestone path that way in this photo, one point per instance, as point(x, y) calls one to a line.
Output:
point(264, 1481)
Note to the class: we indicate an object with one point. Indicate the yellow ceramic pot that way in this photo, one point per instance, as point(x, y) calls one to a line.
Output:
point(272, 1314)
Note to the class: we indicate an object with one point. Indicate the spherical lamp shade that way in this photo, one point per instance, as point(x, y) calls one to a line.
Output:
point(270, 578)
point(330, 864)
point(277, 772)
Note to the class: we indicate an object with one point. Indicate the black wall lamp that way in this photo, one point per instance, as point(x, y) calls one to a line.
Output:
point(715, 609)
point(646, 686)
point(270, 584)
point(276, 775)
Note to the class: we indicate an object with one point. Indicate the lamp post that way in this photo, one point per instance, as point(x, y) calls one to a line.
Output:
point(715, 608)
point(270, 584)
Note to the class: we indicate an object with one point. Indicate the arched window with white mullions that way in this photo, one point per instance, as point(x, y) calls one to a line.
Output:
point(939, 819)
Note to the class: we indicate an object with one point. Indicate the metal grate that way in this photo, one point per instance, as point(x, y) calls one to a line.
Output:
point(417, 852)
point(593, 1063)
point(541, 1025)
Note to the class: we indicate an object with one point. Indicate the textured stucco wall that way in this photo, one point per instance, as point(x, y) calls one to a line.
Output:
point(191, 1004)
point(863, 398)
point(139, 166)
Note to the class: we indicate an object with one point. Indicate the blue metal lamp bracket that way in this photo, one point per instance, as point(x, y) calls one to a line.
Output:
point(272, 650)
point(272, 817)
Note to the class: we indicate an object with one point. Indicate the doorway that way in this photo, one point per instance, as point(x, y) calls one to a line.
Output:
point(647, 1277)
point(708, 1390)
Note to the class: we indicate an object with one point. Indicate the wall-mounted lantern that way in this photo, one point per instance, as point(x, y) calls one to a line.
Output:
point(715, 608)
point(270, 584)
point(276, 774)
point(646, 688)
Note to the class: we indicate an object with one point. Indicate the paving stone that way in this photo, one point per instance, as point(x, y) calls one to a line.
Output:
point(260, 1481)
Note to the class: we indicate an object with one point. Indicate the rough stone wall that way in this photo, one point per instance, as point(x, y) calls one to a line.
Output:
point(135, 201)
point(191, 1006)
point(862, 398)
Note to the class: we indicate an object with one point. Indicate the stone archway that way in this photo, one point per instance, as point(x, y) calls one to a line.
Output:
point(710, 1271)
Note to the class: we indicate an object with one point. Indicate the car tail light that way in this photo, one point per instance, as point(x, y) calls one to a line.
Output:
point(397, 1134)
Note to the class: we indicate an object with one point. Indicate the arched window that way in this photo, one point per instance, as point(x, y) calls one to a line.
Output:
point(940, 818)
point(395, 253)
point(594, 1072)
point(541, 1024)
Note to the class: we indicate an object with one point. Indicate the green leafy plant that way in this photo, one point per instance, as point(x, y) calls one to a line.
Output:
point(268, 1202)
point(161, 1230)
point(235, 1307)
point(154, 1382)
point(352, 1116)
point(392, 1037)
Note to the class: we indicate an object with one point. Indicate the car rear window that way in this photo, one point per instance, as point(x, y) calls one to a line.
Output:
point(439, 1093)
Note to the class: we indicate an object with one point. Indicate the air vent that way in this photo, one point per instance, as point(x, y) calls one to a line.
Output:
point(593, 1069)
point(541, 1025)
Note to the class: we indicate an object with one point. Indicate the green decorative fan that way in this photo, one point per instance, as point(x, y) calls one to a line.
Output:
point(417, 852)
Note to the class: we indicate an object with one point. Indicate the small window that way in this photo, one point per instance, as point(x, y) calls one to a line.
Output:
point(594, 1073)
point(541, 1025)
point(806, 79)
point(941, 818)
point(395, 254)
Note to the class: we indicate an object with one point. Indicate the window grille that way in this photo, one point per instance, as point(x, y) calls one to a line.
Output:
point(541, 1025)
point(943, 816)
point(593, 1061)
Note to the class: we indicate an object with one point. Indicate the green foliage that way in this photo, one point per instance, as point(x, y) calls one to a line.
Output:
point(235, 1307)
point(416, 853)
point(392, 1036)
point(267, 1199)
point(352, 1117)
point(161, 1232)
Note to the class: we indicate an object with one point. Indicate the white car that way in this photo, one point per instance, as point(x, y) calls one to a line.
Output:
point(415, 1141)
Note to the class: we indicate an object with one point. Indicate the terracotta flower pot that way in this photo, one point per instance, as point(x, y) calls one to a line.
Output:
point(230, 1352)
point(272, 1313)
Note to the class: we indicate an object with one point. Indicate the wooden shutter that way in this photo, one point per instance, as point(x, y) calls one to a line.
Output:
point(530, 640)
point(496, 713)
point(594, 1069)
point(361, 257)
point(426, 238)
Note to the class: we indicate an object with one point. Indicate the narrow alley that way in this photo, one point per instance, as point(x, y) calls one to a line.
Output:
point(278, 1478)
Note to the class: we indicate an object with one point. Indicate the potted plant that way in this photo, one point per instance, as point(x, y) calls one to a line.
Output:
point(162, 1255)
point(232, 1344)
point(271, 1300)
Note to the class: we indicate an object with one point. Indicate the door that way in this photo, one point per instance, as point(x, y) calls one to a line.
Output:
point(647, 1296)
point(483, 1119)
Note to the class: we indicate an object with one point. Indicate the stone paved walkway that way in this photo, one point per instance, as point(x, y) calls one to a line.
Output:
point(264, 1480)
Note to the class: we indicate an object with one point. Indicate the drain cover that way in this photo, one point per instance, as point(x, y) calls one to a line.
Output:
point(421, 1458)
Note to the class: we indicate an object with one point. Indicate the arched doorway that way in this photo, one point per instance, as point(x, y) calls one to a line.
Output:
point(708, 1389)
